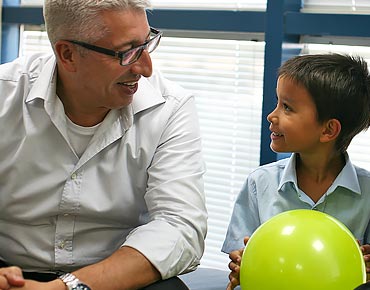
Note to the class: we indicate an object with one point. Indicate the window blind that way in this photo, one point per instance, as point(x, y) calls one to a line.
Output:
point(337, 6)
point(226, 77)
point(211, 4)
point(33, 39)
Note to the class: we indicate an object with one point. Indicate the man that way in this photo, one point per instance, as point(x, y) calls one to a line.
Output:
point(100, 161)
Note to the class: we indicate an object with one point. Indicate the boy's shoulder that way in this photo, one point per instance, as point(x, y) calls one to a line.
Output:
point(362, 172)
point(270, 169)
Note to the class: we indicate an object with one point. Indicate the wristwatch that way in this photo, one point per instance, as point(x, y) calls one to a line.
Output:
point(72, 282)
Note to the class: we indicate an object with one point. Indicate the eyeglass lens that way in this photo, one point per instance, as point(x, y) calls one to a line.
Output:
point(135, 53)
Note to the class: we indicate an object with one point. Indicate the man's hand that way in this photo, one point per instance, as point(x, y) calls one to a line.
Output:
point(11, 276)
point(366, 252)
point(234, 266)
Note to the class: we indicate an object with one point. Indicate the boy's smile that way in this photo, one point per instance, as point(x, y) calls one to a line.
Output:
point(294, 124)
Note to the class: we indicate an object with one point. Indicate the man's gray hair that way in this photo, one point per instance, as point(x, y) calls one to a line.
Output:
point(80, 19)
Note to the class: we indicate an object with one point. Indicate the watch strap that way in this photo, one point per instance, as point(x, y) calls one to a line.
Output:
point(72, 282)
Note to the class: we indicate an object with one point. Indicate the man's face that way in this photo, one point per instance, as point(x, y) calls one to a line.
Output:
point(103, 81)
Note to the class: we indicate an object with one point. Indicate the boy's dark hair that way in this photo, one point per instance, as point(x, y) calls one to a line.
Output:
point(340, 88)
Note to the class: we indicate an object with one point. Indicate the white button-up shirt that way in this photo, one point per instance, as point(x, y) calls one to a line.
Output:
point(139, 182)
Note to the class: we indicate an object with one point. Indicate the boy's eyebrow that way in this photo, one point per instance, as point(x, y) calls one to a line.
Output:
point(286, 99)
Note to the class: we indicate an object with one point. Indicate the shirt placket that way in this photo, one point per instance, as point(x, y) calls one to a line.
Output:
point(65, 223)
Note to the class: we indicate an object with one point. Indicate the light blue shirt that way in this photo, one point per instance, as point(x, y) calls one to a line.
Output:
point(272, 189)
point(138, 183)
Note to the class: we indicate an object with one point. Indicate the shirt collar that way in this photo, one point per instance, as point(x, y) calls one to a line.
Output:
point(289, 174)
point(45, 84)
point(146, 96)
point(347, 178)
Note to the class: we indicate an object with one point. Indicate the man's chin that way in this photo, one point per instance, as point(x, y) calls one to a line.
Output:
point(122, 102)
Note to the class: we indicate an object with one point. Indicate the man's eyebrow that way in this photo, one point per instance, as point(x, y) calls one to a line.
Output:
point(150, 31)
point(133, 43)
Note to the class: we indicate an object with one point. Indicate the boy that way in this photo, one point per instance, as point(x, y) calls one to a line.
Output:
point(323, 101)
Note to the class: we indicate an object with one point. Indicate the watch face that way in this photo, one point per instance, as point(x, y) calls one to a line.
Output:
point(81, 286)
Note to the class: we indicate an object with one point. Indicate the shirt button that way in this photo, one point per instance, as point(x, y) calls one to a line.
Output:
point(61, 245)
point(74, 176)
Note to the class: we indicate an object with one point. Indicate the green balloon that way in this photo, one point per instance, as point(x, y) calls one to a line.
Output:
point(302, 250)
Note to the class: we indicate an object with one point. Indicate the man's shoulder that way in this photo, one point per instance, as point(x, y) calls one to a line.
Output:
point(30, 66)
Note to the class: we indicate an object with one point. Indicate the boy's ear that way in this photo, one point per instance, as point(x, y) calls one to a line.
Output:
point(66, 54)
point(331, 130)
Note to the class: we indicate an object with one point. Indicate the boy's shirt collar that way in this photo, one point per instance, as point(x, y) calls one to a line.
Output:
point(347, 178)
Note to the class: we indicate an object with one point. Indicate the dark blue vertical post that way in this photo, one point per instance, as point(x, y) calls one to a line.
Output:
point(9, 36)
point(274, 38)
point(273, 51)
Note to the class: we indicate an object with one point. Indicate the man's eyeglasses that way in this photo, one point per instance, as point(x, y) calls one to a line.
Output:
point(129, 56)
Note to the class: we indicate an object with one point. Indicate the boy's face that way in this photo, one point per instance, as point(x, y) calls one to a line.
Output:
point(294, 124)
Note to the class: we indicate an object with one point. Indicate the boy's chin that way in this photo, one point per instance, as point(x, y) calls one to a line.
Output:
point(278, 150)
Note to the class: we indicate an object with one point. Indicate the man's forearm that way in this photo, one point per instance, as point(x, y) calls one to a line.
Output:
point(125, 269)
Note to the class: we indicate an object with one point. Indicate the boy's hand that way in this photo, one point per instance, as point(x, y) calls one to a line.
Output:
point(366, 252)
point(11, 276)
point(234, 266)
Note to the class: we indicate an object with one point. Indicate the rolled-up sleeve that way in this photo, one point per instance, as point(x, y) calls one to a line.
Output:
point(173, 239)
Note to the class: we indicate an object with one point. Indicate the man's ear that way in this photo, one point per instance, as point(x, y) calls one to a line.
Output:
point(331, 130)
point(66, 54)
